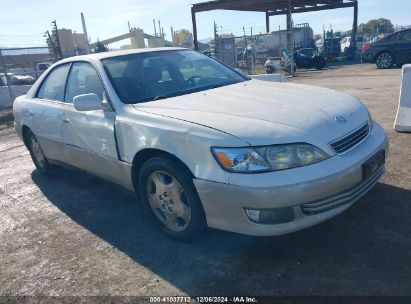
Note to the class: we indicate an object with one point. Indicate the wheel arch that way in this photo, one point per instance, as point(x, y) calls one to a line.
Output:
point(144, 155)
point(24, 132)
point(385, 51)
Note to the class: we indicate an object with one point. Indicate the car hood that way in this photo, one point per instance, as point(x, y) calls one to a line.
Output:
point(263, 113)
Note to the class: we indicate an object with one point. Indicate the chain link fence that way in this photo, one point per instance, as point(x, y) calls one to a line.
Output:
point(20, 67)
point(256, 52)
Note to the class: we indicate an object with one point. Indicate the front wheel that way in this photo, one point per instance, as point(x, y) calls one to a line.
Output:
point(167, 189)
point(319, 62)
point(385, 61)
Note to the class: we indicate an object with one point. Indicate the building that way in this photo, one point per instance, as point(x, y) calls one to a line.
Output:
point(71, 44)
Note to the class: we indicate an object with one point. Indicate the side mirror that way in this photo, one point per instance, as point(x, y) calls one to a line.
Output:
point(87, 102)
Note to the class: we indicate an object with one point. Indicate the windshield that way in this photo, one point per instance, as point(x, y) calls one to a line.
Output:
point(157, 75)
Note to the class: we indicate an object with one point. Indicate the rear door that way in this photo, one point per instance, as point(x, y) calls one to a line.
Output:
point(88, 135)
point(44, 112)
point(404, 47)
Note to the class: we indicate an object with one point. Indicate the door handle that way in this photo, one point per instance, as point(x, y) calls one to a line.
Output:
point(66, 119)
point(31, 113)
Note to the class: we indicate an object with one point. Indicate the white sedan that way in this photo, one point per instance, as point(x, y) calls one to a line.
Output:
point(201, 144)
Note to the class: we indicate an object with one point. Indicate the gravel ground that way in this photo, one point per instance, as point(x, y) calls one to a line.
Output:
point(72, 234)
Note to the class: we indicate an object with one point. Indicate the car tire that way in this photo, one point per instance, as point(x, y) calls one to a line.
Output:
point(385, 60)
point(168, 192)
point(270, 70)
point(319, 62)
point(37, 155)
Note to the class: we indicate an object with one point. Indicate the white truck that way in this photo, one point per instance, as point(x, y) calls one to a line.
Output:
point(346, 43)
point(271, 44)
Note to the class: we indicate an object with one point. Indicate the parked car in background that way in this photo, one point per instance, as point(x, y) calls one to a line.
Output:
point(308, 58)
point(201, 144)
point(346, 44)
point(41, 67)
point(394, 49)
point(3, 81)
point(13, 79)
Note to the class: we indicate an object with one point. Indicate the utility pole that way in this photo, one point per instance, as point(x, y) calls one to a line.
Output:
point(155, 30)
point(86, 44)
point(215, 39)
point(56, 39)
point(6, 75)
point(290, 42)
point(52, 46)
point(172, 36)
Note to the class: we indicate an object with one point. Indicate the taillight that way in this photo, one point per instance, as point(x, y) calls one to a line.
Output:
point(365, 47)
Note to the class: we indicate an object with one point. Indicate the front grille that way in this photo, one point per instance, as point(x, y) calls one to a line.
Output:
point(344, 198)
point(350, 140)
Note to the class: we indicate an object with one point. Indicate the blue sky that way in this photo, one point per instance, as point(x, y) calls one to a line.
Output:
point(23, 22)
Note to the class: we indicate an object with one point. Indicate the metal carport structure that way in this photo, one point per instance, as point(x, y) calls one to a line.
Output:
point(275, 8)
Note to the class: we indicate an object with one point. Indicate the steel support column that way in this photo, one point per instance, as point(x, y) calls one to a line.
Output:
point(289, 26)
point(193, 18)
point(354, 27)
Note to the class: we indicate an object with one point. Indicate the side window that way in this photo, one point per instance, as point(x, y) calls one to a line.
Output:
point(391, 38)
point(83, 79)
point(52, 87)
point(405, 36)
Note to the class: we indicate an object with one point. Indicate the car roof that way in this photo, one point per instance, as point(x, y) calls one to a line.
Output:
point(104, 55)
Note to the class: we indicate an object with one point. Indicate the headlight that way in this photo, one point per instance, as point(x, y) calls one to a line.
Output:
point(270, 158)
point(240, 160)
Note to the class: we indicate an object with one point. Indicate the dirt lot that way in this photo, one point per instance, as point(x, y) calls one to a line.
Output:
point(76, 235)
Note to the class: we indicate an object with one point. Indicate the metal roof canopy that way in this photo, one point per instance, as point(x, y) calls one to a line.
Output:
point(274, 8)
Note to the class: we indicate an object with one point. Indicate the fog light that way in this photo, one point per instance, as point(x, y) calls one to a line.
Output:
point(270, 216)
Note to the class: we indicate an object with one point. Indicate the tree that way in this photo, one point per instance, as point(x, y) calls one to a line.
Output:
point(100, 48)
point(183, 38)
point(374, 26)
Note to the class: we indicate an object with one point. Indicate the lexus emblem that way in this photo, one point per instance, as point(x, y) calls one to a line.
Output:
point(340, 119)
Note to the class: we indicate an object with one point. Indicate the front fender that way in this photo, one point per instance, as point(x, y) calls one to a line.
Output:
point(189, 142)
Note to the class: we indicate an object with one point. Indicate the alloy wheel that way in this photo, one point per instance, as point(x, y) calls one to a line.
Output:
point(169, 201)
point(38, 154)
point(384, 61)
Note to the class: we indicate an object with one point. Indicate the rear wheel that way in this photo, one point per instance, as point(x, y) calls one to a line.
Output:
point(37, 154)
point(385, 60)
point(168, 191)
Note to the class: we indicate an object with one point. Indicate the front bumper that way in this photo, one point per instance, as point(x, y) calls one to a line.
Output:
point(315, 193)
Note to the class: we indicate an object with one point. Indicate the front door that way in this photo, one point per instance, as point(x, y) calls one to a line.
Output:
point(45, 112)
point(88, 135)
